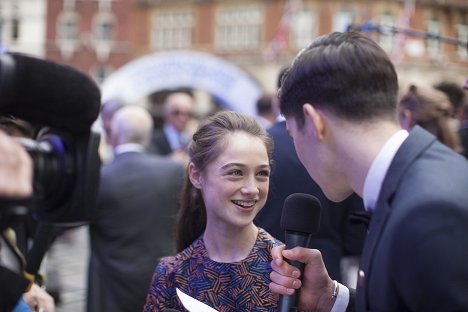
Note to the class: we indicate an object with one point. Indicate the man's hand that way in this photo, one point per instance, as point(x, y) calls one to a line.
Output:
point(316, 287)
point(15, 169)
point(38, 300)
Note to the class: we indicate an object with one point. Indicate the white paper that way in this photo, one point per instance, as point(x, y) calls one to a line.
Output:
point(192, 304)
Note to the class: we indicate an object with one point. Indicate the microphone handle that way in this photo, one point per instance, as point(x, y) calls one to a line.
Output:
point(294, 239)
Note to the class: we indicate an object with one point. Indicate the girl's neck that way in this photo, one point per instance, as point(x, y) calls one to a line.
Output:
point(230, 246)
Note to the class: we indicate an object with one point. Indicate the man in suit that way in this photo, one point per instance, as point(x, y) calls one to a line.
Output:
point(172, 139)
point(337, 237)
point(339, 98)
point(135, 216)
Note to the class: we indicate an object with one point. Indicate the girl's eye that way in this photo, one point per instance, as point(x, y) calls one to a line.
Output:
point(236, 173)
point(264, 173)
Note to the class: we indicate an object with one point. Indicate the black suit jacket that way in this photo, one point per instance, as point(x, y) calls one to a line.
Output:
point(160, 144)
point(337, 237)
point(416, 255)
point(133, 227)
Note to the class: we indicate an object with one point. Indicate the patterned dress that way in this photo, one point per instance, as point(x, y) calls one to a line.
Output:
point(239, 286)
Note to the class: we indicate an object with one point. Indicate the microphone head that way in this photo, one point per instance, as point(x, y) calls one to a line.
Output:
point(301, 213)
point(48, 93)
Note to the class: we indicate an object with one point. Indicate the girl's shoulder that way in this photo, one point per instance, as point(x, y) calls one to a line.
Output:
point(268, 239)
point(175, 263)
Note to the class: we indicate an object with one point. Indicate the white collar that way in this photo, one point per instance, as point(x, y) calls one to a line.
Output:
point(379, 167)
point(128, 147)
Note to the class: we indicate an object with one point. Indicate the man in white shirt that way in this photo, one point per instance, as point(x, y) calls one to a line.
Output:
point(339, 98)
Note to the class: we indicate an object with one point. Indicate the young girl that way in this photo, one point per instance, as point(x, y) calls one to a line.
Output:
point(224, 259)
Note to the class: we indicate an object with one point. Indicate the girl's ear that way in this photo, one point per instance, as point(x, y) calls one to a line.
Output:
point(195, 176)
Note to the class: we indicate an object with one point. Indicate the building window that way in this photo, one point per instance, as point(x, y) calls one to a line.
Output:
point(105, 4)
point(386, 33)
point(172, 30)
point(67, 27)
point(68, 5)
point(104, 28)
point(238, 28)
point(304, 28)
point(433, 42)
point(462, 36)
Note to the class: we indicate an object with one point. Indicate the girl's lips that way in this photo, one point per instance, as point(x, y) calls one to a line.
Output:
point(245, 204)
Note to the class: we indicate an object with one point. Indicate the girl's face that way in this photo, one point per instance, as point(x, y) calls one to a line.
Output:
point(235, 185)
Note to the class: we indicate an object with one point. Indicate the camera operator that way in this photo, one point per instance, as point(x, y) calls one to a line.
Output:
point(57, 185)
point(16, 182)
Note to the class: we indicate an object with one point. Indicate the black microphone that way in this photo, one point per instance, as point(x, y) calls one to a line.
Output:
point(300, 219)
point(48, 93)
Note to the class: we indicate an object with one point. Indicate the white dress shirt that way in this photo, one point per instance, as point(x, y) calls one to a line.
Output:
point(372, 186)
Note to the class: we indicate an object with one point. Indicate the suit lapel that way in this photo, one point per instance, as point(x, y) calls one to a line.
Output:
point(412, 147)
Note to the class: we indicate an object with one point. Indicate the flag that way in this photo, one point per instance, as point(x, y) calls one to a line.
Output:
point(280, 40)
point(404, 23)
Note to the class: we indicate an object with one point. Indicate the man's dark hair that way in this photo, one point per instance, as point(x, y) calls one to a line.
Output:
point(346, 74)
point(264, 105)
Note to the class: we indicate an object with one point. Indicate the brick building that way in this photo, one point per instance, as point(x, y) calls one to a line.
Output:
point(258, 36)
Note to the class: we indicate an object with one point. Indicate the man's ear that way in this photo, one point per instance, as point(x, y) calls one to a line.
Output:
point(195, 175)
point(316, 118)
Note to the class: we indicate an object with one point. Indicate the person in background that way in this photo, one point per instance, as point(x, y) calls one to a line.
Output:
point(223, 259)
point(456, 96)
point(134, 219)
point(265, 112)
point(459, 99)
point(174, 136)
point(340, 98)
point(337, 237)
point(108, 109)
point(430, 109)
point(463, 131)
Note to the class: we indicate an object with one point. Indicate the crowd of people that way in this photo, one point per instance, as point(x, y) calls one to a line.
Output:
point(198, 210)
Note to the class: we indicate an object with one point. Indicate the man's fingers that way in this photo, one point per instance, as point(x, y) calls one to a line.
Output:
point(281, 290)
point(301, 254)
point(276, 252)
point(285, 281)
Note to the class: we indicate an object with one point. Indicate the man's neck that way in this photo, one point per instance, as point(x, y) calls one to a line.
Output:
point(358, 146)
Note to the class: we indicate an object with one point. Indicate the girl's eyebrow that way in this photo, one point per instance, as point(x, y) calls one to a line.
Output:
point(229, 165)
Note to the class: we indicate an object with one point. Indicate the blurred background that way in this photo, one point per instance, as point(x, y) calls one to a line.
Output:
point(131, 47)
point(226, 53)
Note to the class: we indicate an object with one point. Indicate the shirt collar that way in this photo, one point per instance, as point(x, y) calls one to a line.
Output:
point(379, 167)
point(172, 136)
point(128, 147)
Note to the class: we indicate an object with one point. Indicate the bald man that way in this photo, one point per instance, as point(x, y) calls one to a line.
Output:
point(135, 216)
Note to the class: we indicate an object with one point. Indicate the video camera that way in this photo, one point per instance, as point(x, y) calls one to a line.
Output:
point(62, 103)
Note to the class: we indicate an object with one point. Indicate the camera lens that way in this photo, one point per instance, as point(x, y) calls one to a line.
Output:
point(53, 169)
